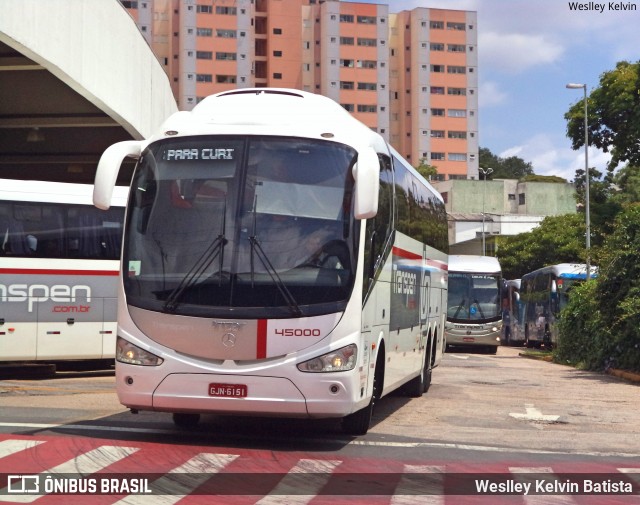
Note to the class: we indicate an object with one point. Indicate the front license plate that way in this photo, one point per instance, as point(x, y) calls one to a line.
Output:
point(228, 390)
point(468, 339)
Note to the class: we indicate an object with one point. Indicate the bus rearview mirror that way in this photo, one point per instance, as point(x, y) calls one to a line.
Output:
point(108, 168)
point(366, 173)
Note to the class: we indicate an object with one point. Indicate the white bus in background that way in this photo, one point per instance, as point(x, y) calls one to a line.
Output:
point(59, 262)
point(474, 313)
point(545, 292)
point(280, 259)
point(512, 313)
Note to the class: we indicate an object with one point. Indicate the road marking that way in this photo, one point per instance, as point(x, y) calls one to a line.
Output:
point(521, 474)
point(192, 474)
point(429, 491)
point(343, 441)
point(85, 464)
point(535, 415)
point(457, 356)
point(309, 474)
point(9, 447)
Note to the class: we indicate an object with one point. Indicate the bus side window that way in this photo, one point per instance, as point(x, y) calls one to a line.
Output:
point(379, 228)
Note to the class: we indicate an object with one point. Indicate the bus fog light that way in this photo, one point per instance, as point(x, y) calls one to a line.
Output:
point(131, 354)
point(340, 360)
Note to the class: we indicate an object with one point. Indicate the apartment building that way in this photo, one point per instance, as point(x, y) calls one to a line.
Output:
point(410, 75)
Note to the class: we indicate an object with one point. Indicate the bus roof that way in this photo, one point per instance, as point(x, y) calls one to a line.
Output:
point(565, 271)
point(474, 263)
point(56, 192)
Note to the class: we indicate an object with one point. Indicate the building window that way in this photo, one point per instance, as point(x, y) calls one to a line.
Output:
point(346, 85)
point(277, 31)
point(348, 106)
point(204, 55)
point(437, 68)
point(277, 54)
point(457, 91)
point(436, 46)
point(367, 20)
point(437, 112)
point(367, 108)
point(367, 42)
point(226, 79)
point(521, 199)
point(367, 64)
point(457, 157)
point(457, 113)
point(277, 75)
point(436, 25)
point(203, 78)
point(204, 32)
point(437, 156)
point(346, 41)
point(456, 26)
point(512, 197)
point(454, 69)
point(346, 18)
point(456, 48)
point(206, 9)
point(437, 134)
point(226, 56)
point(231, 11)
point(226, 34)
point(367, 86)
point(346, 63)
point(437, 90)
point(457, 135)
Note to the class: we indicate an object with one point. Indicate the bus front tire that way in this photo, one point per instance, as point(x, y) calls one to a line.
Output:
point(358, 423)
point(184, 420)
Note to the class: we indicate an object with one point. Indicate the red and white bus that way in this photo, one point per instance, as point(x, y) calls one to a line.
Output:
point(279, 259)
point(59, 265)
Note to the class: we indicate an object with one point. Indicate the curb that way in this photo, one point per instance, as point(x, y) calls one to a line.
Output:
point(634, 377)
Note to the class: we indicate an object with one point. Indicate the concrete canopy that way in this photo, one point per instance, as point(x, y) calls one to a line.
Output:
point(75, 77)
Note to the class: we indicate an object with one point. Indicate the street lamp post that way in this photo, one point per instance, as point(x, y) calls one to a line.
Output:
point(586, 175)
point(485, 172)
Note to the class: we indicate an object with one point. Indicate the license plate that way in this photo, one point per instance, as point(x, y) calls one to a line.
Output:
point(468, 339)
point(228, 390)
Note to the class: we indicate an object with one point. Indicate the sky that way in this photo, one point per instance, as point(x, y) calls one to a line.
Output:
point(528, 51)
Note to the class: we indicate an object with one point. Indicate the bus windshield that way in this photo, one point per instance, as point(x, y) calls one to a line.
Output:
point(473, 297)
point(244, 226)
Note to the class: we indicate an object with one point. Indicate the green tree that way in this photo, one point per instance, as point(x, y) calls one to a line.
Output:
point(613, 115)
point(426, 170)
point(558, 239)
point(512, 167)
point(600, 327)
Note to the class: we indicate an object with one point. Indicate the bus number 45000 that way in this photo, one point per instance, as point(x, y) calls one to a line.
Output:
point(298, 332)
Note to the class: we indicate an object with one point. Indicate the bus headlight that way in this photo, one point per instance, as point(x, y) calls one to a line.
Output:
point(340, 360)
point(131, 354)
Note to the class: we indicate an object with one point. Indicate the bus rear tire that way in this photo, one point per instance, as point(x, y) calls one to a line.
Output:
point(184, 420)
point(419, 385)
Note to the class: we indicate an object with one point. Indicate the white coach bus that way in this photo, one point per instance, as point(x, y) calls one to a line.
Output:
point(474, 314)
point(59, 265)
point(279, 259)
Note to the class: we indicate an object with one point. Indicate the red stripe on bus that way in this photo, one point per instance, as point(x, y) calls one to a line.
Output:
point(40, 271)
point(261, 344)
point(406, 254)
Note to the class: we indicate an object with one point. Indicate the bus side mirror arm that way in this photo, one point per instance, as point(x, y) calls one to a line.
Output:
point(366, 173)
point(108, 168)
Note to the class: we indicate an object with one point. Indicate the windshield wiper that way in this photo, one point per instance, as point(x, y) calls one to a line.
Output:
point(213, 251)
point(459, 308)
point(479, 308)
point(256, 249)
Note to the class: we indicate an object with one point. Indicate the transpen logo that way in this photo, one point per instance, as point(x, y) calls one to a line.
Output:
point(38, 293)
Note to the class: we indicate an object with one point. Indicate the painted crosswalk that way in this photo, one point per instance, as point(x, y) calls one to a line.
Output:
point(62, 470)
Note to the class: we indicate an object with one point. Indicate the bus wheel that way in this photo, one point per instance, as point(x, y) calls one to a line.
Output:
point(358, 423)
point(183, 420)
point(419, 385)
